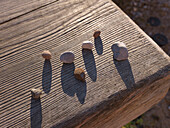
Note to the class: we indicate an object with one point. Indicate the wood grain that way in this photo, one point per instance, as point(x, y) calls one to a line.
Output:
point(29, 27)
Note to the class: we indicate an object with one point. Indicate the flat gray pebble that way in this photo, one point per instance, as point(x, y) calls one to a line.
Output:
point(67, 57)
point(87, 45)
point(120, 51)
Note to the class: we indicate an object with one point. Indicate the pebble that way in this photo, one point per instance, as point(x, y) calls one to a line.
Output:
point(87, 45)
point(135, 9)
point(120, 51)
point(169, 108)
point(160, 39)
point(36, 93)
point(79, 74)
point(46, 54)
point(96, 34)
point(154, 21)
point(67, 57)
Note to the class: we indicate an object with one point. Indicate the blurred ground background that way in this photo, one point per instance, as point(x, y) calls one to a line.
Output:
point(152, 16)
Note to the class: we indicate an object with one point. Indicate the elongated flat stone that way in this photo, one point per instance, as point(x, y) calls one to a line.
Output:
point(67, 57)
point(87, 45)
point(120, 51)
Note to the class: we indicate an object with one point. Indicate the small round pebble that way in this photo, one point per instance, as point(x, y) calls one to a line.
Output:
point(46, 54)
point(36, 93)
point(79, 74)
point(169, 108)
point(120, 51)
point(67, 57)
point(96, 34)
point(87, 45)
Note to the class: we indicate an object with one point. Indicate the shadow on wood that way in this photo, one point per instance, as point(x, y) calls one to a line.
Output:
point(81, 91)
point(36, 113)
point(70, 84)
point(98, 45)
point(90, 64)
point(125, 71)
point(47, 76)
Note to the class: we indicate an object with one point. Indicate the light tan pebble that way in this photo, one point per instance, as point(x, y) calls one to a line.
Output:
point(87, 45)
point(67, 57)
point(120, 51)
point(79, 74)
point(36, 93)
point(169, 108)
point(46, 54)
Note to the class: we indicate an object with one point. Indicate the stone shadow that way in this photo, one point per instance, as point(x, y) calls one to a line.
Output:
point(36, 113)
point(125, 71)
point(90, 64)
point(47, 76)
point(71, 85)
point(98, 45)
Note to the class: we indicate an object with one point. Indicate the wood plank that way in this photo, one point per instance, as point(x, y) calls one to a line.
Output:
point(29, 27)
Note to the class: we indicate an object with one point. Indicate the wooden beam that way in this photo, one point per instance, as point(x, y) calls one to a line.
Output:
point(114, 92)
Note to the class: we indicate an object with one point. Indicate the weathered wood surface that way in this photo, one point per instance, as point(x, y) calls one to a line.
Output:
point(114, 92)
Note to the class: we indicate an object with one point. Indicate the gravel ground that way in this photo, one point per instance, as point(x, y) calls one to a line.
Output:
point(153, 16)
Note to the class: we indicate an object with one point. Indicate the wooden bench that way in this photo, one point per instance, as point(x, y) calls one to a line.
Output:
point(114, 92)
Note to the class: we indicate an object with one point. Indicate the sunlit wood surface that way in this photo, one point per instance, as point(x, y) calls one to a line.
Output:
point(114, 92)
